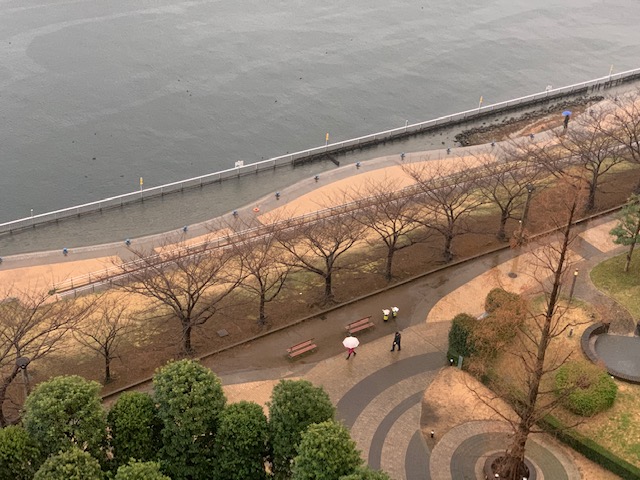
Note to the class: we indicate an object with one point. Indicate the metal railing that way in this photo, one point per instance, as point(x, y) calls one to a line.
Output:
point(288, 159)
point(89, 281)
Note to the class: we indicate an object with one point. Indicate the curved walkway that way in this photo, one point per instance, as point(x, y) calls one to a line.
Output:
point(378, 393)
point(462, 451)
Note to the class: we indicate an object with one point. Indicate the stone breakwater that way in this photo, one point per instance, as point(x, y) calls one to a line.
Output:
point(508, 125)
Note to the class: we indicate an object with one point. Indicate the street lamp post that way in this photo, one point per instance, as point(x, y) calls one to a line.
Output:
point(22, 363)
point(525, 212)
point(573, 285)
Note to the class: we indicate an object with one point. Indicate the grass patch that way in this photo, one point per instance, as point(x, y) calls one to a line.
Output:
point(610, 277)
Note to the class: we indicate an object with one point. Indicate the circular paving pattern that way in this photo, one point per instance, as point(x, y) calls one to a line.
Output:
point(460, 454)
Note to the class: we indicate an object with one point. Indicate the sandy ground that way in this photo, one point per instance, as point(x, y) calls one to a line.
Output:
point(43, 277)
point(469, 298)
point(599, 237)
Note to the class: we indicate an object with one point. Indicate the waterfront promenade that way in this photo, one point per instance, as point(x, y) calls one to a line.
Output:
point(379, 394)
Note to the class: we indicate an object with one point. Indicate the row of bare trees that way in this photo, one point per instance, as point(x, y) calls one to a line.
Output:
point(189, 284)
point(447, 200)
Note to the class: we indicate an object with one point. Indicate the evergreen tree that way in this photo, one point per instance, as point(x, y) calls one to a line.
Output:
point(140, 471)
point(19, 455)
point(295, 404)
point(189, 399)
point(66, 411)
point(71, 464)
point(135, 428)
point(627, 231)
point(241, 443)
point(326, 452)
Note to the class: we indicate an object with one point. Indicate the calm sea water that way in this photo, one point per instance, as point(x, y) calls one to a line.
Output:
point(95, 94)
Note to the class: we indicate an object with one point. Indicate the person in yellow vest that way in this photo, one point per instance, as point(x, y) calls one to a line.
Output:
point(394, 311)
point(385, 314)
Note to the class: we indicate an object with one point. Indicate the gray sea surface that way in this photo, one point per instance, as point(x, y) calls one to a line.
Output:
point(96, 94)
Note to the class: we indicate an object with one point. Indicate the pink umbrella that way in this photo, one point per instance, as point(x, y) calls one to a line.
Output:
point(351, 342)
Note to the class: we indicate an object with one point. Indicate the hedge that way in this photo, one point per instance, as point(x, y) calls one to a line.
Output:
point(590, 449)
point(460, 333)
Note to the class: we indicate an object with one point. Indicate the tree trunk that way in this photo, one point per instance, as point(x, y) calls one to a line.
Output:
point(591, 199)
point(515, 453)
point(631, 247)
point(187, 349)
point(510, 468)
point(502, 236)
point(448, 254)
point(387, 270)
point(328, 289)
point(262, 318)
point(107, 368)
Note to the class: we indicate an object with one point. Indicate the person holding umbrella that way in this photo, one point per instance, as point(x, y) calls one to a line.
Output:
point(567, 116)
point(350, 343)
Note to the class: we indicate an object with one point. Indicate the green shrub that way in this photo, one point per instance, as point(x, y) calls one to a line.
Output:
point(135, 428)
point(499, 297)
point(70, 464)
point(19, 454)
point(460, 335)
point(584, 388)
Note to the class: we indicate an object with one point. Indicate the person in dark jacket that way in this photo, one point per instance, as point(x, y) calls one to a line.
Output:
point(396, 341)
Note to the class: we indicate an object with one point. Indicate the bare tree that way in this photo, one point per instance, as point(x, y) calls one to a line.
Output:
point(390, 213)
point(188, 282)
point(103, 331)
point(448, 195)
point(32, 325)
point(587, 152)
point(507, 183)
point(531, 352)
point(623, 126)
point(318, 246)
point(263, 261)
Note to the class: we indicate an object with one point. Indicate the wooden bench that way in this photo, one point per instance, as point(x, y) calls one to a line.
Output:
point(358, 325)
point(301, 348)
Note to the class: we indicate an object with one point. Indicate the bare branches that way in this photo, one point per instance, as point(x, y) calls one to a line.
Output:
point(32, 326)
point(263, 261)
point(103, 331)
point(448, 195)
point(188, 282)
point(624, 126)
point(507, 183)
point(590, 151)
point(390, 212)
point(317, 247)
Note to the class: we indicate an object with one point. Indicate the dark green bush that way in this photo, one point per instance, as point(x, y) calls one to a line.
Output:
point(584, 388)
point(460, 335)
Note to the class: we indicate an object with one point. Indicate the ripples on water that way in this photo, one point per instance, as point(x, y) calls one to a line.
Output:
point(97, 94)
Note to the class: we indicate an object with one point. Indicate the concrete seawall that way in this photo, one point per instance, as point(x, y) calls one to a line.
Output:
point(332, 152)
